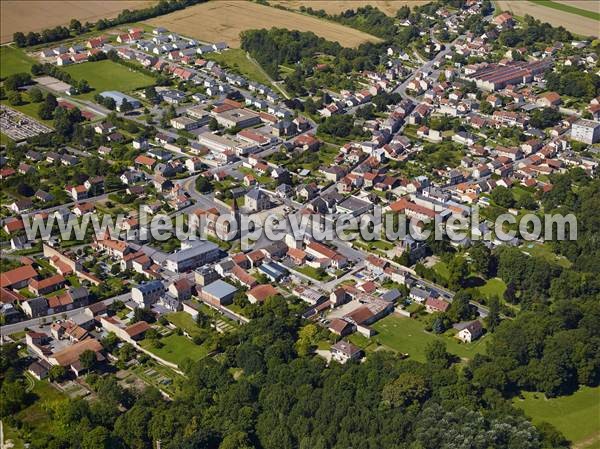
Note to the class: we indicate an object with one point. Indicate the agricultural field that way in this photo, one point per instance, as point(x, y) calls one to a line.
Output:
point(589, 5)
point(407, 335)
point(29, 15)
point(108, 75)
point(575, 23)
point(13, 60)
point(571, 8)
point(576, 416)
point(224, 20)
point(389, 7)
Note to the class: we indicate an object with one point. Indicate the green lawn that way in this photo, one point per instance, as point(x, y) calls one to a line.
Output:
point(108, 75)
point(441, 268)
point(176, 349)
point(36, 415)
point(544, 251)
point(235, 59)
point(493, 287)
point(576, 416)
point(13, 60)
point(407, 335)
point(184, 321)
point(312, 273)
point(569, 9)
point(4, 139)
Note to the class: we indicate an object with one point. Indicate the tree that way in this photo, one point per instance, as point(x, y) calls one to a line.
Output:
point(213, 125)
point(203, 185)
point(493, 318)
point(510, 294)
point(57, 373)
point(403, 12)
point(88, 359)
point(482, 258)
point(19, 39)
point(203, 320)
point(459, 270)
point(406, 389)
point(503, 197)
point(25, 189)
point(142, 314)
point(83, 86)
point(236, 440)
point(75, 25)
point(307, 338)
point(16, 80)
point(35, 95)
point(125, 106)
point(14, 98)
point(460, 309)
point(436, 354)
point(47, 108)
point(97, 438)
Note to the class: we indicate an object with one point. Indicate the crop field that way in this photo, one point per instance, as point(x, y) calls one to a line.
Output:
point(571, 8)
point(108, 75)
point(590, 5)
point(224, 20)
point(389, 7)
point(30, 15)
point(575, 23)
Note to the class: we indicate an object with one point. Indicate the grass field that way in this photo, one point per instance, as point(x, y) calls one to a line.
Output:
point(36, 15)
point(312, 273)
point(493, 287)
point(441, 268)
point(576, 416)
point(13, 60)
point(543, 251)
point(407, 335)
point(184, 321)
point(36, 415)
point(389, 7)
point(4, 139)
point(225, 19)
point(235, 59)
point(108, 75)
point(575, 23)
point(572, 9)
point(176, 349)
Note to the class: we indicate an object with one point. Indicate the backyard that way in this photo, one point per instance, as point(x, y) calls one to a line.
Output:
point(177, 348)
point(407, 335)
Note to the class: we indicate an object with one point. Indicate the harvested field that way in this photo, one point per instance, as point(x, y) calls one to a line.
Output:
point(389, 7)
point(30, 15)
point(572, 22)
point(224, 20)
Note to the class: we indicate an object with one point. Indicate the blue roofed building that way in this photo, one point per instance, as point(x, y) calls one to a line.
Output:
point(118, 97)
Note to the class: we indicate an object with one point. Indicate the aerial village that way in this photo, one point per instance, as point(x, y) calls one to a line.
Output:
point(475, 123)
